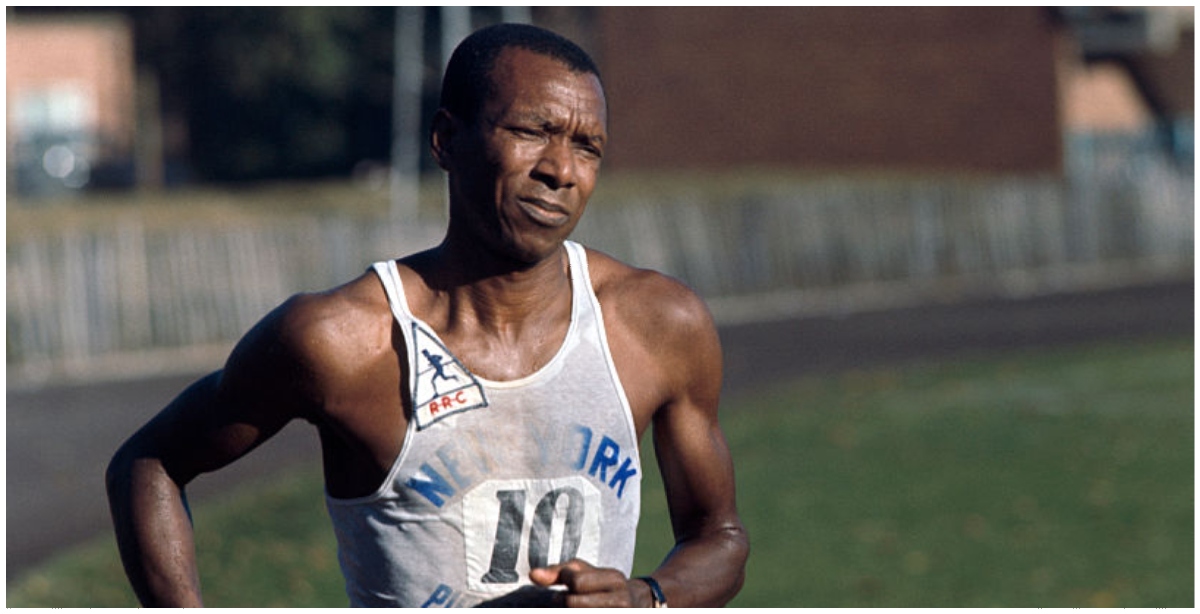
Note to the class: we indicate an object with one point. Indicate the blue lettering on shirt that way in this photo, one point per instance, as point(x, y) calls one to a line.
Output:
point(586, 433)
point(443, 596)
point(606, 456)
point(624, 473)
point(433, 487)
point(461, 464)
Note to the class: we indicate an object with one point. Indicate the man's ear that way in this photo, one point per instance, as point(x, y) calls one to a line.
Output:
point(441, 137)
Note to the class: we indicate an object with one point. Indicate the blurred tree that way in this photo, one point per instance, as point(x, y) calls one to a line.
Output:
point(273, 92)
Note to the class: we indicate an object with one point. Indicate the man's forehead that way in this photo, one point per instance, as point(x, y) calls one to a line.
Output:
point(528, 82)
point(524, 64)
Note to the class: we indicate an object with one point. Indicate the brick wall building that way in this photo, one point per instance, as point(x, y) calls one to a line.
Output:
point(933, 88)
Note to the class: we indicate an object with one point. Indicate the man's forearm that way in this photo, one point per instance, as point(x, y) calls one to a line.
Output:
point(154, 533)
point(706, 571)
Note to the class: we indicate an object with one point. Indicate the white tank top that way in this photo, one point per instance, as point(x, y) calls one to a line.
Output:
point(496, 478)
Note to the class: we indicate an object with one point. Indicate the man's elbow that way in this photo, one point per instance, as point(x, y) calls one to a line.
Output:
point(129, 467)
point(738, 542)
point(735, 545)
point(118, 476)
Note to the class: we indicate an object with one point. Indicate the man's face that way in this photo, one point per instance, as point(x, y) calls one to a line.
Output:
point(523, 171)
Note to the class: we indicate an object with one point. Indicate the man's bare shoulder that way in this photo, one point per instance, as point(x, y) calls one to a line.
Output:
point(334, 333)
point(657, 306)
point(662, 338)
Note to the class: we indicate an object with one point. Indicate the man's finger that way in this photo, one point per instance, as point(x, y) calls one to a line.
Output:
point(562, 573)
point(546, 576)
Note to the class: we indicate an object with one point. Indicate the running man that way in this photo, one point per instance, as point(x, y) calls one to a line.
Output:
point(523, 485)
point(439, 370)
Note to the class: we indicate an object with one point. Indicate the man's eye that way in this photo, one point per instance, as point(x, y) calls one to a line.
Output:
point(591, 151)
point(525, 132)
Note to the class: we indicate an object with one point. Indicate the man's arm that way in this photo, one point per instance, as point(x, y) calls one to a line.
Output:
point(215, 421)
point(707, 566)
point(669, 357)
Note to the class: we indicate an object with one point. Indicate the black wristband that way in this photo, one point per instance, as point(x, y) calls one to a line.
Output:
point(660, 600)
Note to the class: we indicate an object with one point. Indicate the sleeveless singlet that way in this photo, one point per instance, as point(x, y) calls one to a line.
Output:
point(496, 478)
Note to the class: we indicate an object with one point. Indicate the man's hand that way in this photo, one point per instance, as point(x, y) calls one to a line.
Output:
point(592, 587)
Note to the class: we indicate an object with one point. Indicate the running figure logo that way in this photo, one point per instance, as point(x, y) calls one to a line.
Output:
point(459, 390)
point(439, 371)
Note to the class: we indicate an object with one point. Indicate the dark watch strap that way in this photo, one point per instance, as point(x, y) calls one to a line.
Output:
point(660, 600)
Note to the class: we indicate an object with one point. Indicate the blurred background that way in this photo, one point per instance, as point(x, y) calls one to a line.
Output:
point(849, 188)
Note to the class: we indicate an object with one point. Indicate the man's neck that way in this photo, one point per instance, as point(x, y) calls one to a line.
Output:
point(472, 287)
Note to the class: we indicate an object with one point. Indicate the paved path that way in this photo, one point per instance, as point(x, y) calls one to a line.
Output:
point(60, 439)
point(756, 354)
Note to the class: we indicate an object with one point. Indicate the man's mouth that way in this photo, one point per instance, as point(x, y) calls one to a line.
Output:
point(544, 213)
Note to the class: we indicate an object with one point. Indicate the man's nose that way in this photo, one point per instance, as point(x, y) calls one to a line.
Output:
point(556, 165)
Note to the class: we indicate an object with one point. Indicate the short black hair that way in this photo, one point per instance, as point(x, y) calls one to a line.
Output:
point(468, 83)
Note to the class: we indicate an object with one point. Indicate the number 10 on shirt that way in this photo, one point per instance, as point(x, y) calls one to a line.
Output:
point(512, 526)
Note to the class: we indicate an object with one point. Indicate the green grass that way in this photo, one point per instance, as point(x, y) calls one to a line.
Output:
point(1056, 479)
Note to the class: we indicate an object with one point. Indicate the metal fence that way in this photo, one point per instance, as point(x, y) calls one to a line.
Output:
point(126, 298)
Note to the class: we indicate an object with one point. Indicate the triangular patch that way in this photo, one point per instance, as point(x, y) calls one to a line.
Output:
point(444, 387)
